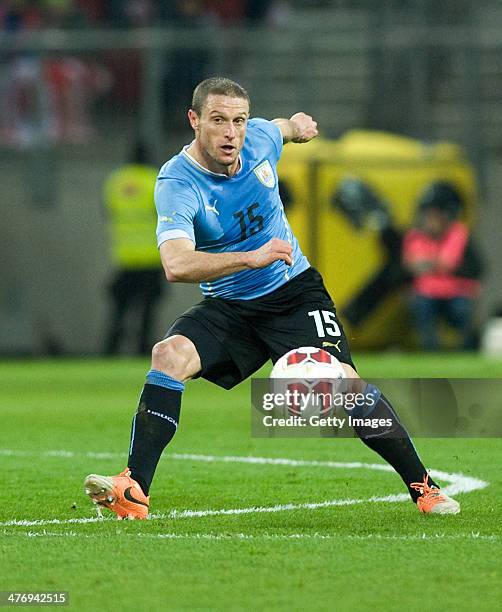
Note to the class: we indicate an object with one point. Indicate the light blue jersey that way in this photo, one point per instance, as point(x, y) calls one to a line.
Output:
point(222, 214)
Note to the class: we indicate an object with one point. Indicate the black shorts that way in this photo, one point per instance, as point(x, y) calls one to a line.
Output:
point(234, 338)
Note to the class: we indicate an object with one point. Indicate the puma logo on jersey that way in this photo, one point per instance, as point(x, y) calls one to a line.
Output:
point(336, 345)
point(212, 208)
point(167, 219)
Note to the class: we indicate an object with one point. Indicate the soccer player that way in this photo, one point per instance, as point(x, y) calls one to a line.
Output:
point(221, 223)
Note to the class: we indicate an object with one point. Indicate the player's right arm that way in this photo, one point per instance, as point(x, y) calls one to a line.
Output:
point(183, 264)
point(177, 205)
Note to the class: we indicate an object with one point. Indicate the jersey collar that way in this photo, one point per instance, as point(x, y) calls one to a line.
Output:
point(200, 167)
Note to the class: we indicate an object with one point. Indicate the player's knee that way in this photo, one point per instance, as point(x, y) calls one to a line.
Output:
point(177, 357)
point(367, 394)
point(355, 383)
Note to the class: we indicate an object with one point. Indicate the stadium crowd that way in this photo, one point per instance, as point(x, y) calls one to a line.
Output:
point(18, 15)
point(48, 99)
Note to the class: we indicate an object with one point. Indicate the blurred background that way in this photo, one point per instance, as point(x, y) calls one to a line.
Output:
point(407, 94)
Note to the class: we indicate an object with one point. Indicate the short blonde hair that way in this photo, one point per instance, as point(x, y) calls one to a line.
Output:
point(218, 86)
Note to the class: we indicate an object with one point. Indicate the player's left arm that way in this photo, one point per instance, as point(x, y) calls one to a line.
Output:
point(299, 128)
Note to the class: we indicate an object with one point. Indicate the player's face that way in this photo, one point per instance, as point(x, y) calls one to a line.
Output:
point(220, 131)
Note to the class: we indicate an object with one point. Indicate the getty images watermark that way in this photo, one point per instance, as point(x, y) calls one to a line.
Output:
point(435, 407)
point(313, 408)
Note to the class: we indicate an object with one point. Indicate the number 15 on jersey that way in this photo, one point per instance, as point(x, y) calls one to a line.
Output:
point(325, 322)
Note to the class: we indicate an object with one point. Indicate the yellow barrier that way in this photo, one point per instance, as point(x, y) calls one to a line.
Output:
point(397, 169)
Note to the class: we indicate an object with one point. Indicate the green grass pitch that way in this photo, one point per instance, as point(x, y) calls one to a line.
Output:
point(63, 419)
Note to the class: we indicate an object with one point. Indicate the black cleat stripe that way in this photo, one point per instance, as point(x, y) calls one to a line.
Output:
point(129, 497)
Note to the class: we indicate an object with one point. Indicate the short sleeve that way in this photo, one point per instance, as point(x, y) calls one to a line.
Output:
point(272, 132)
point(177, 204)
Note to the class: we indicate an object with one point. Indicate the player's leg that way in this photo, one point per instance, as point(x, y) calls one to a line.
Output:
point(309, 318)
point(210, 340)
point(174, 361)
point(394, 444)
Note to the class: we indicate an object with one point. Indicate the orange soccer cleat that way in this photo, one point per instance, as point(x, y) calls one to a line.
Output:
point(432, 500)
point(120, 494)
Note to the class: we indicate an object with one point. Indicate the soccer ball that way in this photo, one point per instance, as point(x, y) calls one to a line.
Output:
point(310, 378)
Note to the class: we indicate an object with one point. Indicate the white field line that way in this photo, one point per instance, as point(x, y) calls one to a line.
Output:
point(262, 536)
point(458, 484)
point(65, 454)
point(180, 514)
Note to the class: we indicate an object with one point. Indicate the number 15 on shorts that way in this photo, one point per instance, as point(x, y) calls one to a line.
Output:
point(325, 322)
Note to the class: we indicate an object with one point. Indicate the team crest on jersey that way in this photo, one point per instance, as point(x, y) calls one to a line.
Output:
point(265, 174)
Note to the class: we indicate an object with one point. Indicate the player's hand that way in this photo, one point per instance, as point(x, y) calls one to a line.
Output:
point(304, 126)
point(273, 250)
